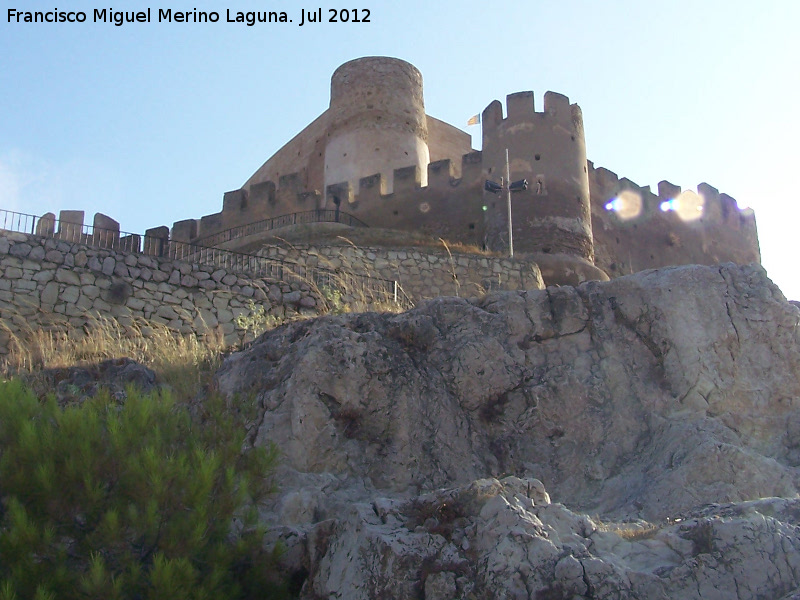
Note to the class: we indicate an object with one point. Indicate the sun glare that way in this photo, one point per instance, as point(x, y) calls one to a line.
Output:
point(688, 205)
point(627, 205)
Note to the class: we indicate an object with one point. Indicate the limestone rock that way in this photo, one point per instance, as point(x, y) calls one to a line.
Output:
point(75, 384)
point(639, 399)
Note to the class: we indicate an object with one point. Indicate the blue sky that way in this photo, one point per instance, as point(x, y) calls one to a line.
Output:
point(152, 123)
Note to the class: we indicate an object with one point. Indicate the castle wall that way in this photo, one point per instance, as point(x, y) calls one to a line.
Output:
point(303, 154)
point(654, 238)
point(422, 272)
point(54, 284)
point(448, 207)
point(446, 141)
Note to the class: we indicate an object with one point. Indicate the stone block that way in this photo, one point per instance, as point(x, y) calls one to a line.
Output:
point(13, 273)
point(135, 303)
point(70, 294)
point(70, 225)
point(44, 276)
point(101, 305)
point(68, 277)
point(292, 297)
point(49, 294)
point(166, 312)
point(108, 265)
point(21, 249)
point(84, 302)
point(205, 320)
point(26, 285)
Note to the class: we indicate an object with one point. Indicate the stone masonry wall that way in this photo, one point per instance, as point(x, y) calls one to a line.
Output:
point(47, 282)
point(421, 272)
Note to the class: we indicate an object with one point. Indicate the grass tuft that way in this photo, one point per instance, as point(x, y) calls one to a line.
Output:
point(184, 362)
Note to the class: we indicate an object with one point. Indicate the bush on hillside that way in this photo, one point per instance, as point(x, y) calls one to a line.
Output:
point(141, 500)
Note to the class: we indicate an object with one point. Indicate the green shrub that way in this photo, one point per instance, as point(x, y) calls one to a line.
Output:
point(141, 500)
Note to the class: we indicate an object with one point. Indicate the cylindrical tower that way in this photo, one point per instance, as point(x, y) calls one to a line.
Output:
point(552, 218)
point(377, 121)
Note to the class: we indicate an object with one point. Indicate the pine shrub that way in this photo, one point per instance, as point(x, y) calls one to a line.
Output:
point(145, 499)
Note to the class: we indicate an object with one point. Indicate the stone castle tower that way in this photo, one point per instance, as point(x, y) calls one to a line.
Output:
point(377, 121)
point(547, 149)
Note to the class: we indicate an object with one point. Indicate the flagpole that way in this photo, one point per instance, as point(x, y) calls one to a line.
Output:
point(508, 200)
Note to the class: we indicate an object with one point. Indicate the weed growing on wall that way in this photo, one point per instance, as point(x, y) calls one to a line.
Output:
point(333, 300)
point(257, 320)
point(140, 500)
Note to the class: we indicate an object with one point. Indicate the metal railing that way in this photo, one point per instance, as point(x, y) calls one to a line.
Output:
point(299, 218)
point(371, 289)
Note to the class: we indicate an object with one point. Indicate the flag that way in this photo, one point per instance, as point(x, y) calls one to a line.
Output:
point(474, 120)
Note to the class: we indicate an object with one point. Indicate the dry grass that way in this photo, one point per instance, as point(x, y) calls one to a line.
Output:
point(632, 532)
point(182, 361)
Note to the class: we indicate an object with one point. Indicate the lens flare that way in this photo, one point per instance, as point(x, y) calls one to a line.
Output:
point(627, 205)
point(688, 205)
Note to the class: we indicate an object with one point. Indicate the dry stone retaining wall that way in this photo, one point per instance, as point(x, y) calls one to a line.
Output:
point(46, 282)
point(421, 272)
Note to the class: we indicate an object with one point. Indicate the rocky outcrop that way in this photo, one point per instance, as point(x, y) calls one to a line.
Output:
point(643, 398)
point(504, 539)
point(73, 385)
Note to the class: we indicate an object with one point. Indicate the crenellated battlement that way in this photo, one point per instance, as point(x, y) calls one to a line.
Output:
point(441, 179)
point(521, 111)
point(713, 207)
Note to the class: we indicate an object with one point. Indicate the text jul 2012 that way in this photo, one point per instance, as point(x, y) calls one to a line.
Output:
point(249, 18)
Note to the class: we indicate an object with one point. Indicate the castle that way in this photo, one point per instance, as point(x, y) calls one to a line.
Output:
point(376, 156)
